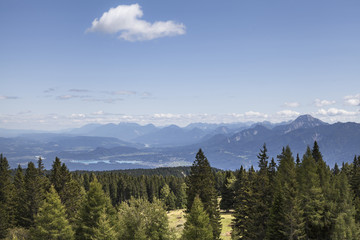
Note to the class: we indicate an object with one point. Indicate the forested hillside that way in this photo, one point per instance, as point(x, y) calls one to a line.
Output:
point(291, 198)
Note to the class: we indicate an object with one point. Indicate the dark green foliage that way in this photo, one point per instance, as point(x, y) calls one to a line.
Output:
point(59, 175)
point(19, 198)
point(227, 192)
point(201, 182)
point(6, 197)
point(35, 187)
point(253, 200)
point(355, 185)
point(291, 223)
point(345, 226)
point(275, 227)
point(96, 204)
point(139, 219)
point(197, 225)
point(311, 196)
point(242, 224)
point(316, 152)
point(50, 221)
point(168, 197)
point(72, 196)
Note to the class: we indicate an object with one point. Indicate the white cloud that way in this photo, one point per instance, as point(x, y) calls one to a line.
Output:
point(125, 93)
point(78, 115)
point(335, 112)
point(288, 113)
point(255, 114)
point(322, 103)
point(352, 100)
point(125, 19)
point(7, 97)
point(66, 97)
point(292, 104)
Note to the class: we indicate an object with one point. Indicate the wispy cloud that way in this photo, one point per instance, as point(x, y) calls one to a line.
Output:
point(70, 96)
point(123, 93)
point(125, 19)
point(292, 104)
point(288, 113)
point(78, 90)
point(255, 114)
point(49, 90)
point(335, 112)
point(66, 97)
point(322, 103)
point(104, 100)
point(2, 97)
point(352, 100)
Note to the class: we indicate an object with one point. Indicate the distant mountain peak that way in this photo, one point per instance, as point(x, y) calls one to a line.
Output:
point(308, 119)
point(304, 121)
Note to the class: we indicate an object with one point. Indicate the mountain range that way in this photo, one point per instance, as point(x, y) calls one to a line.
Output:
point(227, 146)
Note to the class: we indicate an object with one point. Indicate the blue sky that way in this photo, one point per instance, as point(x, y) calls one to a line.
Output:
point(68, 63)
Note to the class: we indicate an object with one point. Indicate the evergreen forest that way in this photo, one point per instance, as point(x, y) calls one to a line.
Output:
point(287, 197)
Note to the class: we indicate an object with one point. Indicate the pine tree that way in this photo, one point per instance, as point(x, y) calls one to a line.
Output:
point(355, 185)
point(59, 175)
point(262, 197)
point(227, 192)
point(316, 152)
point(201, 182)
point(142, 220)
point(72, 196)
point(6, 189)
point(95, 204)
point(50, 221)
point(324, 174)
point(105, 231)
point(275, 228)
point(311, 195)
point(345, 226)
point(19, 198)
point(197, 225)
point(241, 223)
point(168, 197)
point(291, 225)
point(34, 193)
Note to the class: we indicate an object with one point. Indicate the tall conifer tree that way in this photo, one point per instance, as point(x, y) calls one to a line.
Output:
point(197, 225)
point(6, 189)
point(50, 221)
point(201, 182)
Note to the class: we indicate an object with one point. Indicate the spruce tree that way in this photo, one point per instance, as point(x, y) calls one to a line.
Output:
point(316, 152)
point(59, 175)
point(275, 227)
point(142, 220)
point(311, 195)
point(95, 204)
point(201, 182)
point(19, 198)
point(34, 193)
point(197, 225)
point(291, 225)
point(106, 230)
point(72, 196)
point(241, 223)
point(6, 189)
point(262, 197)
point(227, 192)
point(345, 226)
point(355, 185)
point(50, 221)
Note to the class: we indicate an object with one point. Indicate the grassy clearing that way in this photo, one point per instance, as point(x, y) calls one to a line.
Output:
point(177, 220)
